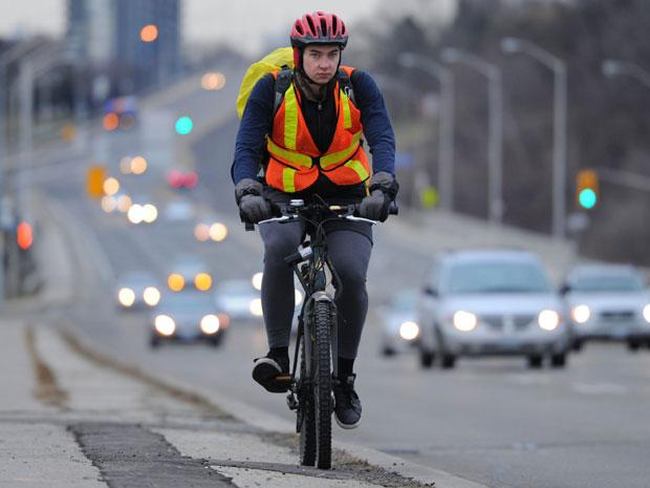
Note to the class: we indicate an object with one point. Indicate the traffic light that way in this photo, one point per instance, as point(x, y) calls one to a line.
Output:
point(24, 235)
point(184, 125)
point(587, 189)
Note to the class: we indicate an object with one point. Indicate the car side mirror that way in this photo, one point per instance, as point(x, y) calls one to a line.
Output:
point(430, 291)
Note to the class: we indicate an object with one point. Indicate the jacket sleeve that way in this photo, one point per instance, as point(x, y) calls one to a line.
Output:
point(377, 128)
point(255, 124)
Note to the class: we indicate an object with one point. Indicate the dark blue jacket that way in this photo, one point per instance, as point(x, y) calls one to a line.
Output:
point(257, 122)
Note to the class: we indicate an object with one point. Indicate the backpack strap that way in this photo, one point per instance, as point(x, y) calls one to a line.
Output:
point(282, 83)
point(346, 85)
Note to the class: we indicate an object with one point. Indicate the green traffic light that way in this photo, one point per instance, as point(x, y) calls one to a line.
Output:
point(587, 198)
point(184, 125)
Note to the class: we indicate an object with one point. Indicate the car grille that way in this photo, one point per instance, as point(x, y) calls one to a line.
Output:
point(617, 314)
point(497, 322)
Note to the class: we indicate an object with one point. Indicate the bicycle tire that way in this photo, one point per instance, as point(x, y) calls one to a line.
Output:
point(306, 416)
point(322, 386)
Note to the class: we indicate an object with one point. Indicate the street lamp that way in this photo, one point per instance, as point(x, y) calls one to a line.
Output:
point(495, 125)
point(614, 67)
point(446, 137)
point(511, 45)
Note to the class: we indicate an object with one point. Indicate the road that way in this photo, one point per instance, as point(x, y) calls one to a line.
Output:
point(491, 421)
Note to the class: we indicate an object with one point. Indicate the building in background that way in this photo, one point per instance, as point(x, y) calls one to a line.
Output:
point(131, 44)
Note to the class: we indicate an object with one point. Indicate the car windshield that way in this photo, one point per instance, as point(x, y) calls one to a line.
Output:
point(596, 283)
point(236, 288)
point(404, 301)
point(137, 279)
point(497, 277)
point(187, 301)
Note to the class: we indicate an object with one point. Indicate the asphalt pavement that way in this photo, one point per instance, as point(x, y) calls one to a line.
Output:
point(72, 416)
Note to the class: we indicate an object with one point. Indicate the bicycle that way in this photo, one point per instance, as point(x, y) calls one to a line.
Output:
point(310, 391)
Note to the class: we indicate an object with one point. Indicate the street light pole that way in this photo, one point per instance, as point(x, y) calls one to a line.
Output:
point(615, 67)
point(495, 125)
point(511, 45)
point(446, 130)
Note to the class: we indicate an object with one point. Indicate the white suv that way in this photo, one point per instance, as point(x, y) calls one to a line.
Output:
point(491, 302)
point(608, 302)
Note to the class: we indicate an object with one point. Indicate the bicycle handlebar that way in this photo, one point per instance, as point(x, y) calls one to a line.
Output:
point(292, 212)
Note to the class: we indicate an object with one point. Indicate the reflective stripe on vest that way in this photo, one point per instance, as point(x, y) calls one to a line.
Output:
point(290, 157)
point(338, 157)
point(290, 119)
point(358, 168)
point(288, 180)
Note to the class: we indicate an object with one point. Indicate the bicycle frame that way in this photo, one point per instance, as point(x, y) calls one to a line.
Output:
point(310, 393)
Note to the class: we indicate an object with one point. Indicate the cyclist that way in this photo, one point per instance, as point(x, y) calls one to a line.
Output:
point(311, 146)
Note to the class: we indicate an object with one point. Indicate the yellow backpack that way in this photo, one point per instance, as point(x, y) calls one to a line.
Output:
point(276, 60)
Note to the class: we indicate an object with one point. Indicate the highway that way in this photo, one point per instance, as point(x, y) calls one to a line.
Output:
point(492, 421)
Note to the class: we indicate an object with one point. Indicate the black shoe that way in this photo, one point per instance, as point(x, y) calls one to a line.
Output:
point(347, 409)
point(272, 373)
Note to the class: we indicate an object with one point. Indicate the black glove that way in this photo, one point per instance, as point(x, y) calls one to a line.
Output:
point(383, 190)
point(253, 207)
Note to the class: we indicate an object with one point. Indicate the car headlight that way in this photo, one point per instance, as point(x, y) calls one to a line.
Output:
point(218, 232)
point(210, 324)
point(149, 213)
point(255, 307)
point(151, 296)
point(409, 330)
point(126, 296)
point(580, 314)
point(646, 313)
point(465, 321)
point(165, 325)
point(548, 320)
point(135, 214)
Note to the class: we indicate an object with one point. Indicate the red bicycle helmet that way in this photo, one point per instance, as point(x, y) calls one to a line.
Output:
point(319, 28)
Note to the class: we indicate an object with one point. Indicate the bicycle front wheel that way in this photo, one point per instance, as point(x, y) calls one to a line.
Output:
point(324, 317)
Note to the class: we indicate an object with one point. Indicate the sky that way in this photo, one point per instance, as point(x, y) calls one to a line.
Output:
point(203, 20)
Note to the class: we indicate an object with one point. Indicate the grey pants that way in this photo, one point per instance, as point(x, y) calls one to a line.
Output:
point(349, 252)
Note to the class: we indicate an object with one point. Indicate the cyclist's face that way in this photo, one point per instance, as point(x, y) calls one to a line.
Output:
point(320, 62)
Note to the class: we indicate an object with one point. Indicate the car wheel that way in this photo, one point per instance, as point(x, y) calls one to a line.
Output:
point(387, 351)
point(577, 345)
point(558, 360)
point(633, 345)
point(448, 361)
point(426, 358)
point(535, 361)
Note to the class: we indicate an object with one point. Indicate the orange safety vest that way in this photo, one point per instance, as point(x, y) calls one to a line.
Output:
point(295, 161)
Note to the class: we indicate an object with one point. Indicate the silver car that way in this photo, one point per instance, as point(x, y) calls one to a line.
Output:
point(239, 299)
point(188, 316)
point(491, 302)
point(608, 302)
point(400, 330)
point(137, 289)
